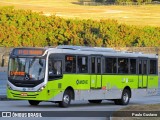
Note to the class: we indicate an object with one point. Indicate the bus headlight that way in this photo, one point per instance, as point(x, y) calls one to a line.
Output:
point(41, 88)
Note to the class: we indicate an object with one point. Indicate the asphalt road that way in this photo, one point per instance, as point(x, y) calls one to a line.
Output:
point(82, 106)
point(12, 105)
point(3, 81)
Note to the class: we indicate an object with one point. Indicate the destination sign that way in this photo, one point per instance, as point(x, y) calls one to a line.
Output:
point(14, 73)
point(28, 52)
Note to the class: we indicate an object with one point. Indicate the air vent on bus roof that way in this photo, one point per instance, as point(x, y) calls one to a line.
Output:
point(85, 48)
point(69, 47)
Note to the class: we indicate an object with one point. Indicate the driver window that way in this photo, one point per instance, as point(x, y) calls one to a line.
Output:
point(54, 68)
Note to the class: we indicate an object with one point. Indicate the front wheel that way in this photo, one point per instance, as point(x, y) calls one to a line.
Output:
point(124, 98)
point(66, 100)
point(33, 102)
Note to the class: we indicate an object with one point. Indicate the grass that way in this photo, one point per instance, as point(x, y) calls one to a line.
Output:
point(133, 15)
point(140, 108)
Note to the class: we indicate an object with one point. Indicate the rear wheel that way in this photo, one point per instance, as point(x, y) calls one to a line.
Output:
point(33, 102)
point(95, 101)
point(66, 100)
point(124, 98)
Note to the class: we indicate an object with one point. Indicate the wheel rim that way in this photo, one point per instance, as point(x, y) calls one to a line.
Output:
point(66, 99)
point(125, 97)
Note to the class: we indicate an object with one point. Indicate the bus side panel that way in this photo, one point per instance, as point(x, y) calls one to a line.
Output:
point(118, 83)
point(114, 84)
point(144, 81)
point(54, 88)
point(76, 81)
point(153, 81)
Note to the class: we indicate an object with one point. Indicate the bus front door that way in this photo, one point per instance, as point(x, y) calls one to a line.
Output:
point(96, 68)
point(143, 75)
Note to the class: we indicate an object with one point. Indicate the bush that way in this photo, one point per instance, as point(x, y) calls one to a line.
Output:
point(27, 28)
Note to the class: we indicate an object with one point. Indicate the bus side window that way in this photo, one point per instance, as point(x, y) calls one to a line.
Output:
point(133, 66)
point(82, 64)
point(55, 68)
point(153, 67)
point(122, 65)
point(93, 62)
point(70, 64)
point(111, 65)
point(50, 67)
point(58, 67)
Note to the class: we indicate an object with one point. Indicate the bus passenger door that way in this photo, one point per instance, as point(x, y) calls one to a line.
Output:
point(143, 75)
point(96, 77)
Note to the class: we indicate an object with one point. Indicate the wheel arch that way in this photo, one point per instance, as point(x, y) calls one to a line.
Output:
point(69, 88)
point(129, 89)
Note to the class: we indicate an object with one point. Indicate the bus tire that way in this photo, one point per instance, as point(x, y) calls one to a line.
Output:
point(66, 100)
point(124, 98)
point(95, 101)
point(33, 102)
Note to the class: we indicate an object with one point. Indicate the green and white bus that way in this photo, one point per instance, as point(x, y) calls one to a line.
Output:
point(66, 73)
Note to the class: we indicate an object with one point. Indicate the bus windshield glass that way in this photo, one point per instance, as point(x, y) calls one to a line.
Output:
point(26, 68)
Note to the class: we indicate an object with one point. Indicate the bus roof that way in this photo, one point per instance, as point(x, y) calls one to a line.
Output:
point(97, 51)
point(84, 50)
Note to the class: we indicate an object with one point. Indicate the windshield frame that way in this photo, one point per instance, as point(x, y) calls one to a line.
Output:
point(26, 59)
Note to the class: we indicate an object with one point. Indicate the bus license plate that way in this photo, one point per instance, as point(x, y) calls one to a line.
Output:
point(24, 94)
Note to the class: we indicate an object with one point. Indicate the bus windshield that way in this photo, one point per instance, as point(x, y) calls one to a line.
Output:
point(26, 68)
